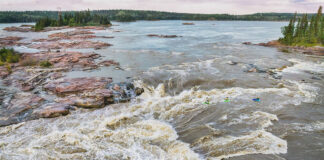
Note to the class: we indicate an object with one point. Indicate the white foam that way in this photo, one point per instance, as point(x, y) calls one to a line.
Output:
point(256, 142)
point(300, 66)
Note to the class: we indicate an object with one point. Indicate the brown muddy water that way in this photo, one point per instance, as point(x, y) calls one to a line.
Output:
point(183, 113)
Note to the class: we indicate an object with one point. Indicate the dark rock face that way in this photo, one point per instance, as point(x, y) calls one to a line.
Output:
point(162, 36)
point(254, 68)
point(123, 92)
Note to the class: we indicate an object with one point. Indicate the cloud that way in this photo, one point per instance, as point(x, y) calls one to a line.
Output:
point(189, 6)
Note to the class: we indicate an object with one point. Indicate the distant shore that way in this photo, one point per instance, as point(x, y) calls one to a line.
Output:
point(135, 15)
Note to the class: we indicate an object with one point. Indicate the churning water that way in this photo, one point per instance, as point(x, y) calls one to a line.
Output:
point(172, 120)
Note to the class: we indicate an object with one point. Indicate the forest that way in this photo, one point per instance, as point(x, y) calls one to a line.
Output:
point(133, 15)
point(304, 31)
point(82, 18)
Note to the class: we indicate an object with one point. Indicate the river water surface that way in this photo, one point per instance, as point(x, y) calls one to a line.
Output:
point(183, 113)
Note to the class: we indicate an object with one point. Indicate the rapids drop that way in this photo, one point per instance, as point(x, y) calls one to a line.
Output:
point(171, 120)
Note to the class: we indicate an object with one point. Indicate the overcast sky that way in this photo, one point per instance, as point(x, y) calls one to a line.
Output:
point(189, 6)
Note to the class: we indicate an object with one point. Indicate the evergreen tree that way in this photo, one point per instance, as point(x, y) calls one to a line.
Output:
point(305, 33)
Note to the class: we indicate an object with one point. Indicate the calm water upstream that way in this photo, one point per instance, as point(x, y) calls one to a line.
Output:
point(171, 119)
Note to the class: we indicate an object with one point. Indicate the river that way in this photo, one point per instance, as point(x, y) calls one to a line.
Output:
point(197, 102)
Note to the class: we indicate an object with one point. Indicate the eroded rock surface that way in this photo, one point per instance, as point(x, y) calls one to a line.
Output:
point(18, 29)
point(77, 85)
point(10, 41)
point(74, 44)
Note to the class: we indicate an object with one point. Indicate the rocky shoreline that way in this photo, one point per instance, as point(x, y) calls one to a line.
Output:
point(31, 91)
point(318, 51)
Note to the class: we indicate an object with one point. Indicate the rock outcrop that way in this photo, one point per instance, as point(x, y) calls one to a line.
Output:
point(74, 44)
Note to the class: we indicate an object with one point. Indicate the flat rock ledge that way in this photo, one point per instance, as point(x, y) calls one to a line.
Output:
point(68, 94)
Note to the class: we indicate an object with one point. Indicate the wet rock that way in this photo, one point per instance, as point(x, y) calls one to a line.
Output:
point(162, 36)
point(89, 99)
point(138, 91)
point(247, 43)
point(253, 68)
point(77, 85)
point(123, 92)
point(282, 68)
point(109, 37)
point(315, 78)
point(232, 63)
point(52, 110)
point(188, 24)
point(276, 76)
point(19, 108)
point(108, 63)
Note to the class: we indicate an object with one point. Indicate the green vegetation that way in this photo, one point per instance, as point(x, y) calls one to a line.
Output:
point(83, 18)
point(8, 56)
point(45, 64)
point(132, 15)
point(305, 32)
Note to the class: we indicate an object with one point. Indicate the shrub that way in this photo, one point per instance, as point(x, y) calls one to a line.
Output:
point(9, 56)
point(45, 64)
point(9, 68)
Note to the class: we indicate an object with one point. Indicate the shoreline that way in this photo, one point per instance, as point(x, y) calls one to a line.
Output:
point(316, 50)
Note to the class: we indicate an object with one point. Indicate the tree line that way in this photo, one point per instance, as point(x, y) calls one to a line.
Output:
point(304, 31)
point(82, 18)
point(133, 15)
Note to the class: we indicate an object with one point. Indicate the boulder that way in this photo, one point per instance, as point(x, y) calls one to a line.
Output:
point(52, 110)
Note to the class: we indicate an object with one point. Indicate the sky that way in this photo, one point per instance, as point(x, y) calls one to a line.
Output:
point(183, 6)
